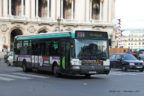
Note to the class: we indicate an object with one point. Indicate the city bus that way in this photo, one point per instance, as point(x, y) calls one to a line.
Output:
point(83, 52)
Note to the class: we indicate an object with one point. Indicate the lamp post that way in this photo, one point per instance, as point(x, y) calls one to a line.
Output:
point(59, 21)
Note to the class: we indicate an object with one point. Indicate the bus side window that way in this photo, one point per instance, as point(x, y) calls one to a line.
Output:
point(53, 48)
point(24, 49)
point(47, 47)
point(34, 47)
point(18, 47)
point(29, 48)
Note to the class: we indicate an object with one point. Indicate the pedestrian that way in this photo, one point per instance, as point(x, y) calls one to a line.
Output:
point(129, 51)
point(132, 53)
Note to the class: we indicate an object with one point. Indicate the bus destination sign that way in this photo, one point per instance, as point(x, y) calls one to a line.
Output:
point(91, 34)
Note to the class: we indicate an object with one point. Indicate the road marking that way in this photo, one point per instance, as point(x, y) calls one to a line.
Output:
point(14, 76)
point(6, 79)
point(119, 73)
point(30, 75)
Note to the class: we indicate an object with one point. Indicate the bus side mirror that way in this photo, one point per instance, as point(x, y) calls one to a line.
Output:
point(109, 42)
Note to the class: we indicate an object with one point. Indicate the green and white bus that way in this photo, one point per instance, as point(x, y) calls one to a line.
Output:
point(83, 52)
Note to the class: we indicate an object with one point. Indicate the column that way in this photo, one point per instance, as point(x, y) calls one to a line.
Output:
point(90, 12)
point(58, 11)
point(110, 11)
point(101, 11)
point(53, 9)
point(5, 9)
point(105, 10)
point(37, 8)
point(47, 8)
point(33, 8)
point(10, 8)
point(22, 9)
point(27, 8)
point(0, 8)
point(61, 8)
point(72, 9)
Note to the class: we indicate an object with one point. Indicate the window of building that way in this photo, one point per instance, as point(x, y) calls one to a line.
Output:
point(96, 9)
point(135, 44)
point(42, 8)
point(68, 9)
point(17, 7)
point(49, 8)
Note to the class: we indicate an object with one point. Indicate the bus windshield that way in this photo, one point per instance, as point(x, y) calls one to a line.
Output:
point(91, 49)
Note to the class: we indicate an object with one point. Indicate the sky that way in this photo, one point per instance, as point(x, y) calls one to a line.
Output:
point(131, 13)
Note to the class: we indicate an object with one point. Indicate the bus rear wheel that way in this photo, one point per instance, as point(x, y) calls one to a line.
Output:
point(25, 69)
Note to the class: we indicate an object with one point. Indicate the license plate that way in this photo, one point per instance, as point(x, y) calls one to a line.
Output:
point(92, 72)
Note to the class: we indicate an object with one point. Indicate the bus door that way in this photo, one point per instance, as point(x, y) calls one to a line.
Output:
point(65, 56)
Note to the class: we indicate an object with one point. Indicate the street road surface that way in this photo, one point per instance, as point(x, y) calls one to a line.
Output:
point(14, 82)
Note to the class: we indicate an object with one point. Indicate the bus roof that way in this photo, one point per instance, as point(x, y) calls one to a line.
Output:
point(45, 35)
point(59, 34)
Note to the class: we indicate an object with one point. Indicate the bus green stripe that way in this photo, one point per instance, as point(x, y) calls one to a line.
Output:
point(43, 36)
point(63, 63)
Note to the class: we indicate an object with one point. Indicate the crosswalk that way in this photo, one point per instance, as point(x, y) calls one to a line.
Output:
point(126, 73)
point(27, 76)
point(23, 76)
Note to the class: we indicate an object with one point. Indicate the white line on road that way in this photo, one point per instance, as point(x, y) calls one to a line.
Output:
point(14, 76)
point(6, 79)
point(30, 75)
point(122, 73)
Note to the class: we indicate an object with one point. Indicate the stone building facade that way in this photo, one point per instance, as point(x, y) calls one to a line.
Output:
point(25, 17)
point(134, 40)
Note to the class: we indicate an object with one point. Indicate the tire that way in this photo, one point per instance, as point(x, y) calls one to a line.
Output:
point(25, 69)
point(141, 70)
point(124, 69)
point(56, 71)
point(8, 64)
point(87, 75)
point(107, 72)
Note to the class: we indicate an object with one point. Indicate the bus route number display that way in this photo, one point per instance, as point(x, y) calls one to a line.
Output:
point(90, 34)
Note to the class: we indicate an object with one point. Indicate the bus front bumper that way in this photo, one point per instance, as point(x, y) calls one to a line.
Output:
point(90, 69)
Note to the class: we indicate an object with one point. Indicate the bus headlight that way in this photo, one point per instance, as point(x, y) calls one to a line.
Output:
point(132, 64)
point(106, 63)
point(76, 67)
point(76, 62)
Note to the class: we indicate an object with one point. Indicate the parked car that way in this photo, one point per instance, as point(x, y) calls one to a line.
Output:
point(141, 55)
point(10, 60)
point(7, 55)
point(125, 62)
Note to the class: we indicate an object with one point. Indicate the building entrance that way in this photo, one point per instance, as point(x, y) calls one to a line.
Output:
point(14, 33)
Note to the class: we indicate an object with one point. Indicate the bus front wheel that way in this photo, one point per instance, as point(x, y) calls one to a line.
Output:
point(87, 75)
